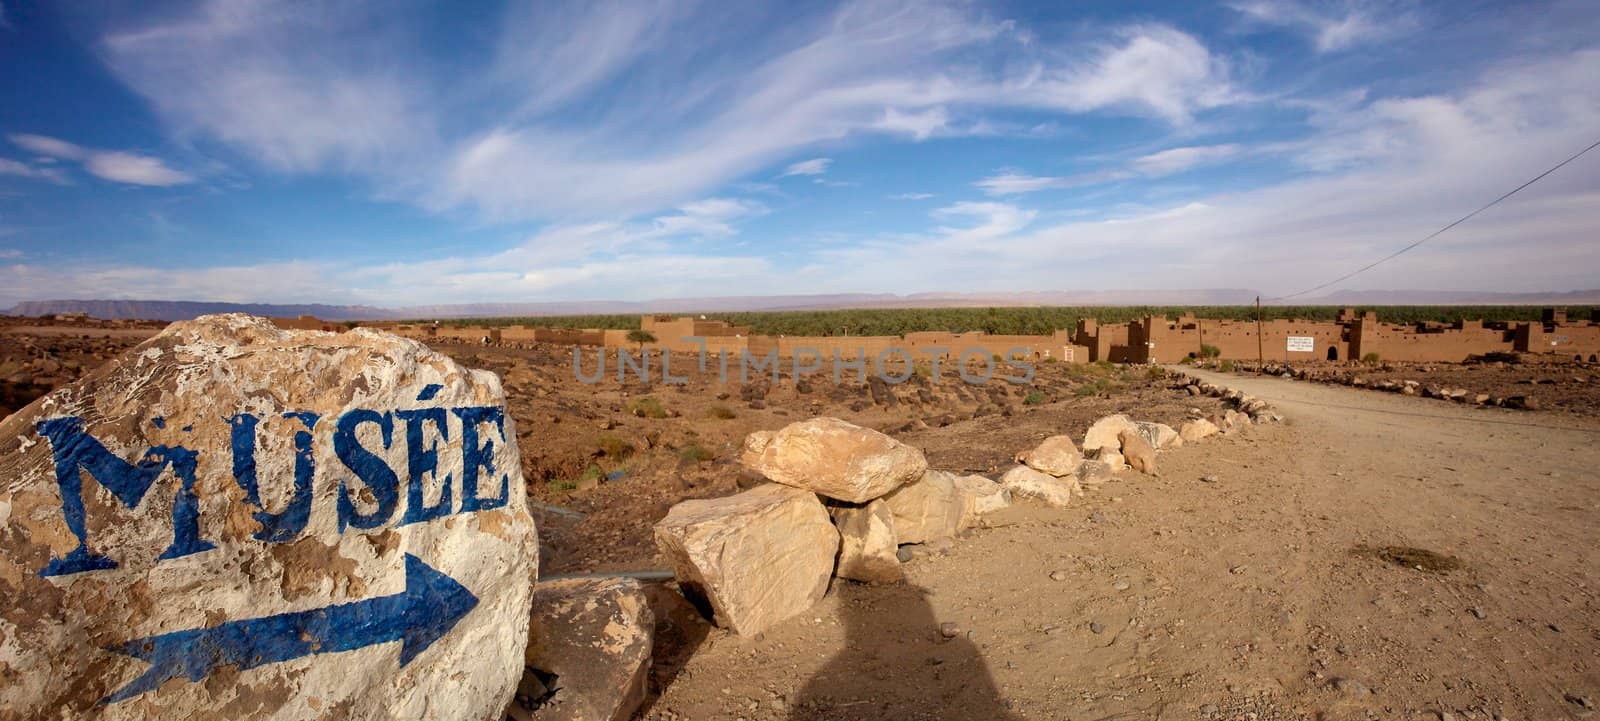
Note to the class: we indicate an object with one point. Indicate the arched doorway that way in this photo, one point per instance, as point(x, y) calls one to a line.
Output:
point(1333, 353)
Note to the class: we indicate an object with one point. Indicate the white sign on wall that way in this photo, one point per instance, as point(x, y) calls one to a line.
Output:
point(1302, 343)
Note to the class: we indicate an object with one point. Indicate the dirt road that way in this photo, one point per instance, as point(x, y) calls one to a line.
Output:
point(1264, 593)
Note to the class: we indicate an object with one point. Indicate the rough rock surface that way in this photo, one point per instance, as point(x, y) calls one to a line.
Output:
point(339, 520)
point(1113, 458)
point(980, 496)
point(927, 510)
point(1138, 452)
point(1197, 429)
point(1160, 436)
point(1055, 455)
point(1094, 473)
point(867, 543)
point(593, 636)
point(833, 458)
point(756, 557)
point(1104, 432)
point(1024, 482)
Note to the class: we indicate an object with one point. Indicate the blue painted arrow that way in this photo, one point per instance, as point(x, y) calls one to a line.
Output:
point(429, 607)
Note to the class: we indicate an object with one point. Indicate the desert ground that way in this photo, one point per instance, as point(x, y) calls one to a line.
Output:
point(1374, 556)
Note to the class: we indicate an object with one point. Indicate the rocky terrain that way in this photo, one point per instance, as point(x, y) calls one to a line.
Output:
point(1377, 555)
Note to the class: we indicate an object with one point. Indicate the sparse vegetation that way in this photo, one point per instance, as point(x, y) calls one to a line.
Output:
point(1226, 366)
point(720, 411)
point(647, 407)
point(695, 453)
point(640, 337)
point(612, 446)
point(1209, 351)
point(1034, 398)
point(1370, 358)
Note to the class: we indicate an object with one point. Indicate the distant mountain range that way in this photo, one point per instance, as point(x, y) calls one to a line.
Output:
point(182, 309)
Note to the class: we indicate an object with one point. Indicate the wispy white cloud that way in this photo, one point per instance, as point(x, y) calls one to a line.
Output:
point(1177, 160)
point(814, 166)
point(17, 168)
point(344, 90)
point(116, 166)
point(1331, 26)
point(911, 196)
point(1154, 165)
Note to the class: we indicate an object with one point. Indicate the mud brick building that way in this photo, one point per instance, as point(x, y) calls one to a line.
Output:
point(1152, 339)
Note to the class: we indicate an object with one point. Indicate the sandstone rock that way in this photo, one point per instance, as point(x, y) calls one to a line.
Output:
point(1025, 482)
point(1094, 473)
point(1104, 432)
point(1138, 452)
point(1236, 420)
point(927, 510)
point(594, 636)
point(1113, 458)
point(281, 524)
point(867, 543)
point(1197, 429)
point(1055, 455)
point(756, 558)
point(834, 458)
point(980, 496)
point(1159, 435)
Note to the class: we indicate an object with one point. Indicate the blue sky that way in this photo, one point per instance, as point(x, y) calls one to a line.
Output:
point(400, 153)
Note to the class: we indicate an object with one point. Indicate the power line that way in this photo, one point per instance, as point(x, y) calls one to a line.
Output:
point(1440, 231)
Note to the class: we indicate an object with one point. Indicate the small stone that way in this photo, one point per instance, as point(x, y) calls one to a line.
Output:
point(1096, 627)
point(1209, 709)
point(1478, 612)
point(1208, 478)
point(1351, 687)
point(903, 553)
point(949, 629)
point(1058, 575)
point(1097, 517)
point(1120, 585)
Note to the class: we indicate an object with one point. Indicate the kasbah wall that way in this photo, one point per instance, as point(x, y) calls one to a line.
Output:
point(1153, 339)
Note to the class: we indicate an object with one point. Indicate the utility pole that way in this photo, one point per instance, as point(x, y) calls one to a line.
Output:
point(1261, 356)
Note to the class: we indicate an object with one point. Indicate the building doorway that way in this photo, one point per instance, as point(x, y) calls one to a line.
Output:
point(1333, 353)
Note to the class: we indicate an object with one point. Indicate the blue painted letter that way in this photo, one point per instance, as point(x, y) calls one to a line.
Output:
point(275, 527)
point(75, 450)
point(374, 473)
point(474, 457)
point(423, 460)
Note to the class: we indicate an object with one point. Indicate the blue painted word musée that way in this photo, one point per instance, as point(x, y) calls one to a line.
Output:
point(369, 492)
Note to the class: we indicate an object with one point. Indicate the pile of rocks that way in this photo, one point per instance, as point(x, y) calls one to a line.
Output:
point(1403, 387)
point(841, 501)
point(1250, 409)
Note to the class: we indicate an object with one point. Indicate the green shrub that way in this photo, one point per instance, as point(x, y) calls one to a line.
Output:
point(562, 485)
point(695, 453)
point(720, 411)
point(1209, 351)
point(641, 337)
point(1034, 398)
point(1226, 367)
point(646, 407)
point(1370, 358)
point(611, 446)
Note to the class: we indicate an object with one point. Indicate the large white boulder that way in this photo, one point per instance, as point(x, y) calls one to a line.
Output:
point(834, 458)
point(927, 510)
point(1025, 482)
point(757, 557)
point(280, 525)
point(1160, 436)
point(1197, 429)
point(1104, 433)
point(1055, 455)
point(979, 496)
point(867, 543)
